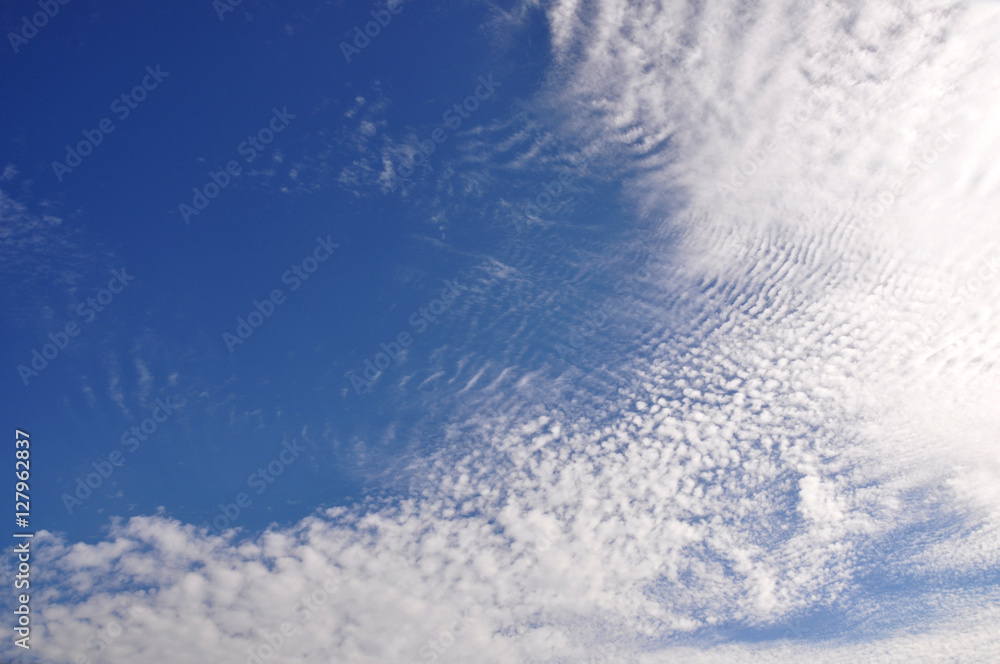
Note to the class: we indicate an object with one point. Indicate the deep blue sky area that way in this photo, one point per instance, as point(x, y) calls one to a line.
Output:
point(219, 82)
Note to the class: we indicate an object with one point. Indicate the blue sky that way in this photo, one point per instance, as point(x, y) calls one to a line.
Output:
point(192, 281)
point(665, 331)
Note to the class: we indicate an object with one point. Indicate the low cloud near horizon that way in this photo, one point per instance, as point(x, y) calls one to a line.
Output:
point(797, 459)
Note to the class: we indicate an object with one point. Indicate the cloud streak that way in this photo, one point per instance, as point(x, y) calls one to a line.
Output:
point(768, 448)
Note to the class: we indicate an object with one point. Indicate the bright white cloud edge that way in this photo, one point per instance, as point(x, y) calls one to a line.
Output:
point(815, 390)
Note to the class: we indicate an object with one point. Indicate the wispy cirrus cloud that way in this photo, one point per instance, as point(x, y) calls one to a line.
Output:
point(754, 439)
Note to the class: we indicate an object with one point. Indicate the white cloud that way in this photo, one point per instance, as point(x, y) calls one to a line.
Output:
point(788, 449)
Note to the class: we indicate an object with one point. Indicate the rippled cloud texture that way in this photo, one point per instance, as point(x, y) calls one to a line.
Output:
point(797, 458)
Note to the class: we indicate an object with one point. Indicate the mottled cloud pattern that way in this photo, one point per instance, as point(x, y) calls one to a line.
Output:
point(809, 436)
